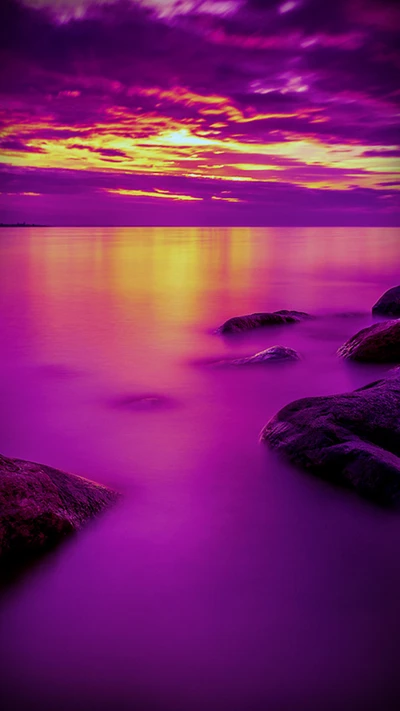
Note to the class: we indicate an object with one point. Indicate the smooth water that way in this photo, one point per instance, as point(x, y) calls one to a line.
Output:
point(225, 579)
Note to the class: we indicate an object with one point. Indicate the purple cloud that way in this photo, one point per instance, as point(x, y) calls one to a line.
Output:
point(16, 145)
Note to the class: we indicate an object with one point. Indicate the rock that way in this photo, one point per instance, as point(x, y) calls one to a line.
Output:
point(270, 355)
point(379, 343)
point(351, 439)
point(238, 324)
point(389, 303)
point(40, 505)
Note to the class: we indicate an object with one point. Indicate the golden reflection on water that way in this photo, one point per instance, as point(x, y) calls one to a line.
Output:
point(87, 288)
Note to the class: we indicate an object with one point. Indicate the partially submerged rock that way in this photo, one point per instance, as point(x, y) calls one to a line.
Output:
point(237, 324)
point(389, 303)
point(40, 505)
point(351, 439)
point(379, 343)
point(144, 401)
point(269, 355)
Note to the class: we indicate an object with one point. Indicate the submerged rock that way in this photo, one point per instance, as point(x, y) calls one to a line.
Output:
point(58, 370)
point(270, 355)
point(389, 303)
point(237, 324)
point(379, 343)
point(145, 401)
point(351, 439)
point(40, 505)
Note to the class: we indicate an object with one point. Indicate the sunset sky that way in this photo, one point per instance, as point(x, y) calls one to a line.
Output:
point(200, 112)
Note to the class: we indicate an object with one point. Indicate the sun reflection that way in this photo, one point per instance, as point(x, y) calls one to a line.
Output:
point(137, 287)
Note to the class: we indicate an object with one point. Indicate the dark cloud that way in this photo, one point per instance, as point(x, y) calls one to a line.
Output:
point(395, 153)
point(92, 204)
point(18, 146)
point(53, 182)
point(102, 151)
point(124, 42)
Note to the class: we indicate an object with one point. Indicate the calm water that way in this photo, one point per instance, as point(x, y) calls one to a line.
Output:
point(225, 579)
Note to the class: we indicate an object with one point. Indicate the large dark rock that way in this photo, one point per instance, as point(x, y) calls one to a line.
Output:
point(351, 439)
point(275, 354)
point(39, 505)
point(238, 324)
point(379, 343)
point(389, 303)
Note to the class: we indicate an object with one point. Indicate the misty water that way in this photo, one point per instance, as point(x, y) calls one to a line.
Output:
point(225, 578)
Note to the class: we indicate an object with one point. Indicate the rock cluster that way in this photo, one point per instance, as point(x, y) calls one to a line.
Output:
point(351, 439)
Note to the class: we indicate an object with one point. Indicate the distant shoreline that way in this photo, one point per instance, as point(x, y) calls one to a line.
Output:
point(188, 226)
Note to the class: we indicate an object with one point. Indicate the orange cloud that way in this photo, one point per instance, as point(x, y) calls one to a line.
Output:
point(150, 143)
point(152, 194)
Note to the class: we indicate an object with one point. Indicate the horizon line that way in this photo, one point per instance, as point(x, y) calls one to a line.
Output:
point(52, 226)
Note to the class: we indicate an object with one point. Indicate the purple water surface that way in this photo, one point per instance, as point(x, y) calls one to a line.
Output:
point(224, 579)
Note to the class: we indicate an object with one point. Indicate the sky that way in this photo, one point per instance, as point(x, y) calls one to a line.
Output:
point(200, 112)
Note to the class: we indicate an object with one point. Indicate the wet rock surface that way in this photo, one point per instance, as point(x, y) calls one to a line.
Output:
point(40, 505)
point(351, 439)
point(389, 303)
point(379, 343)
point(238, 324)
point(275, 354)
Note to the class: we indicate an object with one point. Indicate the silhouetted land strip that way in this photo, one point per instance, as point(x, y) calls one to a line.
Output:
point(19, 224)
